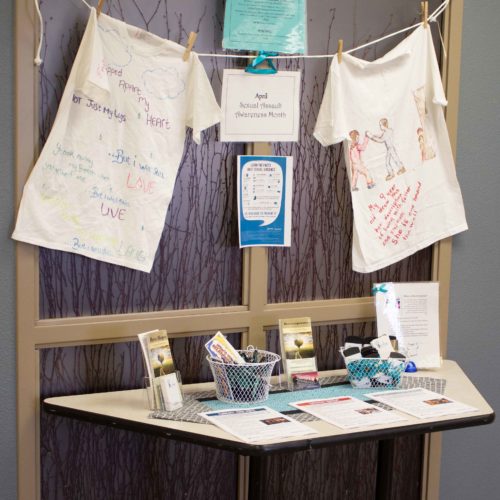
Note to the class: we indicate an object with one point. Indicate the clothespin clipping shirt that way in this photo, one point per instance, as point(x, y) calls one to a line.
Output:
point(340, 49)
point(189, 46)
point(100, 5)
point(425, 12)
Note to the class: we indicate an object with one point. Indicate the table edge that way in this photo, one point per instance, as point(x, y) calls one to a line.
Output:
point(248, 449)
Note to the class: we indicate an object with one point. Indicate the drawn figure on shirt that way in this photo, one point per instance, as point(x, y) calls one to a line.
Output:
point(392, 160)
point(426, 150)
point(419, 96)
point(357, 166)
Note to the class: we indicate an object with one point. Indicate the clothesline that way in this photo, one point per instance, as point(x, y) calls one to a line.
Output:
point(431, 19)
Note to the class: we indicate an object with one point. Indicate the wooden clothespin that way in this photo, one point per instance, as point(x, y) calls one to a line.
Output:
point(340, 49)
point(425, 13)
point(100, 5)
point(189, 46)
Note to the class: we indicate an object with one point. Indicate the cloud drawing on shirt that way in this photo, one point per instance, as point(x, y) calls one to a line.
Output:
point(163, 83)
point(118, 52)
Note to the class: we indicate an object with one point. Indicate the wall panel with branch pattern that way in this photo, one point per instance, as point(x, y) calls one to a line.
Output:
point(318, 265)
point(199, 264)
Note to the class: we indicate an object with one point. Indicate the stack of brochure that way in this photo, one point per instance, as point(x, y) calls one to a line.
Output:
point(219, 348)
point(163, 378)
point(298, 354)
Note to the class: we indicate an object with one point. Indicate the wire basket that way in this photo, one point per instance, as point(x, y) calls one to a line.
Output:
point(372, 372)
point(245, 383)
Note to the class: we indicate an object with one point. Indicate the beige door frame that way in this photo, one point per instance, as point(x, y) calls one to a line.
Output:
point(252, 318)
point(441, 261)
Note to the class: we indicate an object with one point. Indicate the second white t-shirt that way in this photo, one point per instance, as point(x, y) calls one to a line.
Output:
point(405, 194)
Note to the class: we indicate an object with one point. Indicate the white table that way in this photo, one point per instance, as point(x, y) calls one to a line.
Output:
point(128, 410)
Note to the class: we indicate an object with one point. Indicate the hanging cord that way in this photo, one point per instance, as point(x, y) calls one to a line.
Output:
point(439, 10)
point(441, 38)
point(38, 59)
point(432, 18)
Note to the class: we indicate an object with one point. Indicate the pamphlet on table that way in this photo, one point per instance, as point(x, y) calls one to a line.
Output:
point(421, 403)
point(347, 412)
point(257, 424)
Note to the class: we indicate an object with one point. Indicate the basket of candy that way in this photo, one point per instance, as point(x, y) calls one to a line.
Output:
point(373, 362)
point(373, 372)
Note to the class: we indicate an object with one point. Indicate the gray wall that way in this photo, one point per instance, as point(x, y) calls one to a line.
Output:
point(471, 457)
point(7, 283)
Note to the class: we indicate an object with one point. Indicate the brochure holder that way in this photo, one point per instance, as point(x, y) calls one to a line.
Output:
point(299, 356)
point(158, 398)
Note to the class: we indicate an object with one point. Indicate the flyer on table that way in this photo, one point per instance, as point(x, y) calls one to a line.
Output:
point(270, 26)
point(260, 108)
point(264, 200)
point(257, 424)
point(421, 403)
point(347, 412)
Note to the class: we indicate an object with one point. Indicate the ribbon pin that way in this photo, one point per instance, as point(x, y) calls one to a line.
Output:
point(261, 58)
point(380, 288)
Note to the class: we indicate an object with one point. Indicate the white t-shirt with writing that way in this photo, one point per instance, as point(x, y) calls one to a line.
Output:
point(103, 182)
point(389, 113)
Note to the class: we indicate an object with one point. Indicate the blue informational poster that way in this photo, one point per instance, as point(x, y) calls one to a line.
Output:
point(265, 200)
point(264, 25)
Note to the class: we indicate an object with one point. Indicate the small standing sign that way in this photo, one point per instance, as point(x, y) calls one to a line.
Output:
point(260, 108)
